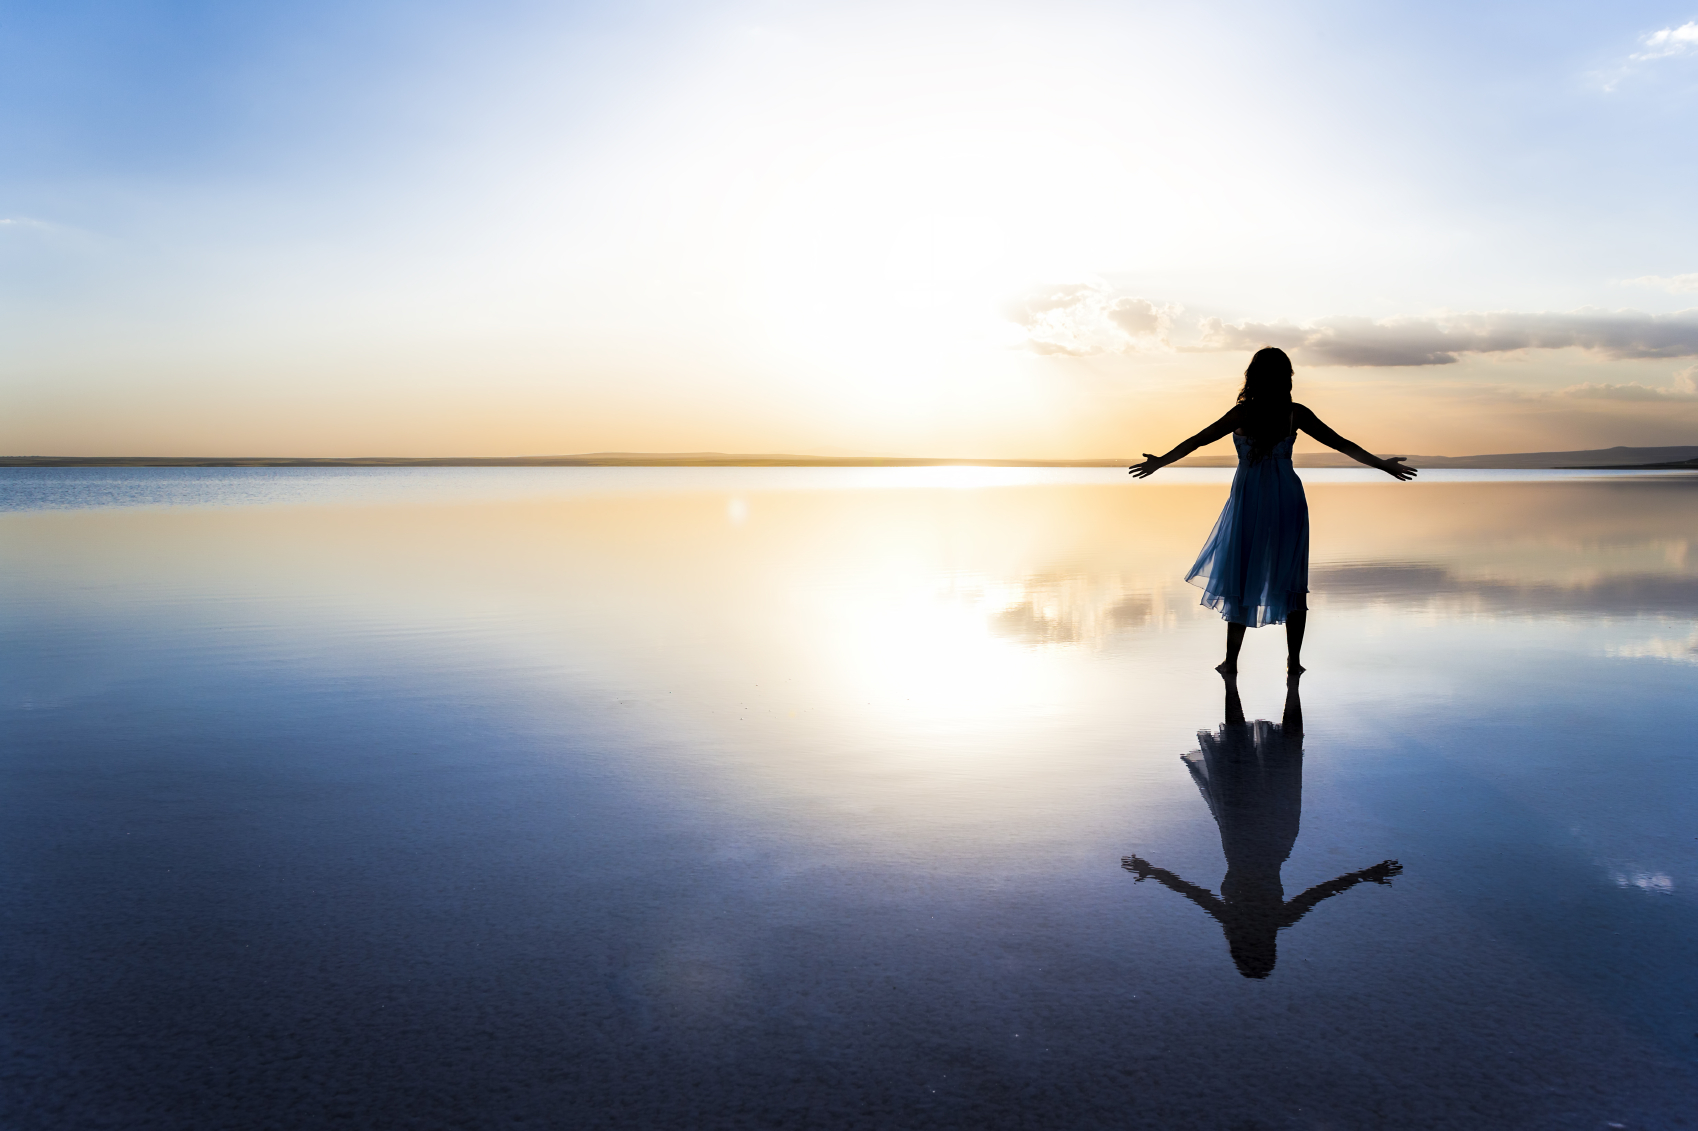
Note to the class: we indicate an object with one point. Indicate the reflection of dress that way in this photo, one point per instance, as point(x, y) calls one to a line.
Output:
point(1254, 569)
point(1251, 776)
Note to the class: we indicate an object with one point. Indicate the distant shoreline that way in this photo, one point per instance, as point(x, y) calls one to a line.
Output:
point(615, 459)
point(1598, 459)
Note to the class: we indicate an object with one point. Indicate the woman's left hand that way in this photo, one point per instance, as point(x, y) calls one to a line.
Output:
point(1149, 467)
point(1394, 468)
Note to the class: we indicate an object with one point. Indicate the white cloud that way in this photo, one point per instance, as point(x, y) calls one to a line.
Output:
point(1632, 391)
point(1666, 43)
point(1684, 388)
point(1082, 319)
point(1682, 40)
point(1675, 284)
point(25, 224)
point(1439, 340)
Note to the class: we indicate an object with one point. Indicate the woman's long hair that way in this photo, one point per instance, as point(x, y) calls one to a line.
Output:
point(1266, 397)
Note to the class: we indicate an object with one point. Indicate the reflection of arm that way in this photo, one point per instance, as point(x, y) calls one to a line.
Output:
point(1380, 873)
point(1209, 435)
point(1314, 426)
point(1202, 897)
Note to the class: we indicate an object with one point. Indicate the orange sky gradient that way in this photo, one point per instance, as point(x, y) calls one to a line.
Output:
point(946, 230)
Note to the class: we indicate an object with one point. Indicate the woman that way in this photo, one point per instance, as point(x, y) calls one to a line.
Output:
point(1254, 569)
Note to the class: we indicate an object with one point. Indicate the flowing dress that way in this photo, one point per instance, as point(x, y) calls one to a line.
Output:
point(1254, 569)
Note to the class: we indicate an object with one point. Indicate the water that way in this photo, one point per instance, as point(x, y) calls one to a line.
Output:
point(799, 797)
point(92, 487)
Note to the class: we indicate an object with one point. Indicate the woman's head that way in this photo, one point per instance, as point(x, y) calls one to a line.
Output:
point(1254, 951)
point(1266, 397)
point(1267, 379)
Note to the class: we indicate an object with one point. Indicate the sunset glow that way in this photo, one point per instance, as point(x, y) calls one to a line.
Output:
point(1002, 231)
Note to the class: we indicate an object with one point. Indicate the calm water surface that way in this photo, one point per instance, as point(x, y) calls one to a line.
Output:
point(655, 798)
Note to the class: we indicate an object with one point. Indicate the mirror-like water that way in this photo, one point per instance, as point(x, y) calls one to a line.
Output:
point(640, 798)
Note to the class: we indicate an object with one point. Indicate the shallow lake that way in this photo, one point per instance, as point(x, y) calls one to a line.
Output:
point(723, 798)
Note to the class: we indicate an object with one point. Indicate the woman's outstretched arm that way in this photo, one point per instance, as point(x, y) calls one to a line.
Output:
point(1142, 869)
point(1380, 873)
point(1209, 435)
point(1312, 424)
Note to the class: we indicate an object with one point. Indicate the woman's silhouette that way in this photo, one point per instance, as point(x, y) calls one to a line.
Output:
point(1251, 777)
point(1254, 569)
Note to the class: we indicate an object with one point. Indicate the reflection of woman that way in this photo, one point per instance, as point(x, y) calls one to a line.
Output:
point(1254, 568)
point(1252, 779)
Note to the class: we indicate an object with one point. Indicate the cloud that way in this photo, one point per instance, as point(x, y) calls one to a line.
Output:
point(1670, 41)
point(1628, 392)
point(1665, 43)
point(1082, 319)
point(25, 224)
point(1672, 283)
point(1617, 334)
point(1685, 388)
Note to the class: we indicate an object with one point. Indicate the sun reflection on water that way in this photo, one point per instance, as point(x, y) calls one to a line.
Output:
point(917, 654)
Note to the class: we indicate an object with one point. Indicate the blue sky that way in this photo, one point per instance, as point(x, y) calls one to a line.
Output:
point(987, 229)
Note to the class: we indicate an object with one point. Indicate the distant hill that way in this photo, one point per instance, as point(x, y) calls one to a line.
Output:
point(1628, 458)
point(1603, 458)
point(1594, 457)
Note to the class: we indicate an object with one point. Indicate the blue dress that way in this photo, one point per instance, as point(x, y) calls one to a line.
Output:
point(1254, 569)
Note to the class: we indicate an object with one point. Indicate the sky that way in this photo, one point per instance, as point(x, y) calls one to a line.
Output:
point(1000, 230)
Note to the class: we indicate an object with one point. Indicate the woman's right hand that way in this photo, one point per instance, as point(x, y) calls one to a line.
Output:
point(1394, 468)
point(1149, 467)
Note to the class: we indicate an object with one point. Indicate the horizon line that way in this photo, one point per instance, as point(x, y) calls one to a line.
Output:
point(1678, 455)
